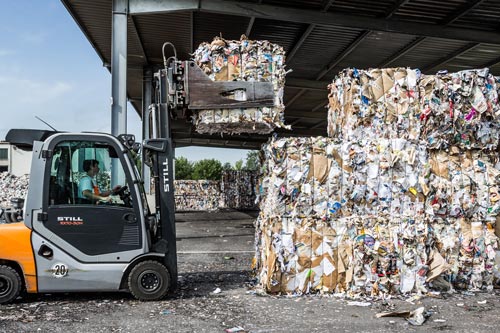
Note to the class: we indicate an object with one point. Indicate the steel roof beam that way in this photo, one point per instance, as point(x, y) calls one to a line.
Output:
point(250, 26)
point(395, 7)
point(402, 52)
point(161, 6)
point(319, 106)
point(299, 43)
point(307, 84)
point(449, 57)
point(321, 122)
point(306, 34)
point(452, 18)
point(492, 63)
point(308, 16)
point(463, 11)
point(251, 23)
point(138, 36)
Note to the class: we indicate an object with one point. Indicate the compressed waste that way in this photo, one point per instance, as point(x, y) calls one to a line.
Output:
point(243, 60)
point(447, 109)
point(197, 195)
point(12, 186)
point(395, 201)
point(238, 189)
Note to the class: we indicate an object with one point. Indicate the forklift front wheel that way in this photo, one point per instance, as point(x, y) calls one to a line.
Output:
point(10, 284)
point(149, 281)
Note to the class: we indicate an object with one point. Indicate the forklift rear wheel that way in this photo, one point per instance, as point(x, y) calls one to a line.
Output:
point(149, 281)
point(10, 284)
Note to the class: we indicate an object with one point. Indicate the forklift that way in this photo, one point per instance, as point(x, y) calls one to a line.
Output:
point(54, 241)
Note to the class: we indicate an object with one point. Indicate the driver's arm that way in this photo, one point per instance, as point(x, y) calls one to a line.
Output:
point(113, 191)
point(94, 197)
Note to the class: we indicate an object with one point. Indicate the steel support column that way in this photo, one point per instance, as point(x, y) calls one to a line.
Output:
point(147, 89)
point(119, 78)
point(119, 68)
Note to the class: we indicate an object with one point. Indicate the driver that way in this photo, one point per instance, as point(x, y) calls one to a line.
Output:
point(88, 191)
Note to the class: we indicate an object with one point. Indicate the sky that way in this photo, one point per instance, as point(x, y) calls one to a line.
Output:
point(48, 69)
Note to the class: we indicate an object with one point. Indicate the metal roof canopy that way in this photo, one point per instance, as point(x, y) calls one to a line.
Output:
point(321, 37)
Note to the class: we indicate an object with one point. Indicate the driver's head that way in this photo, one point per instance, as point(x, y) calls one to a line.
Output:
point(91, 165)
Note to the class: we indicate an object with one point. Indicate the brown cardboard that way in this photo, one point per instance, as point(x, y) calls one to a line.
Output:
point(437, 265)
point(234, 67)
point(439, 164)
point(387, 80)
point(222, 75)
point(319, 168)
point(377, 88)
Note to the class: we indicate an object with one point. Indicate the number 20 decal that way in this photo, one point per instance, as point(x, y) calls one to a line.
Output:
point(59, 270)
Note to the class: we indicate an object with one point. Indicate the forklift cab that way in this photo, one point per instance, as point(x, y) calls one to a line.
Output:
point(92, 228)
point(78, 245)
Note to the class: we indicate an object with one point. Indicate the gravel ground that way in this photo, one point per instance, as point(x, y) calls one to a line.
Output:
point(215, 252)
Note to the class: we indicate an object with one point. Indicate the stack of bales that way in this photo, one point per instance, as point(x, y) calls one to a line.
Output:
point(12, 187)
point(243, 60)
point(404, 191)
point(197, 195)
point(238, 189)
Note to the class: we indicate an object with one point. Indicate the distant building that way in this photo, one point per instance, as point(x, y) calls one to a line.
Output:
point(14, 160)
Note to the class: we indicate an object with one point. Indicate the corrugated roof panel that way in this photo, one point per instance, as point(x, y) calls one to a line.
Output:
point(320, 49)
point(310, 4)
point(429, 52)
point(95, 17)
point(208, 25)
point(429, 11)
point(135, 55)
point(495, 69)
point(485, 16)
point(362, 7)
point(379, 45)
point(309, 100)
point(478, 57)
point(156, 29)
point(290, 92)
point(279, 32)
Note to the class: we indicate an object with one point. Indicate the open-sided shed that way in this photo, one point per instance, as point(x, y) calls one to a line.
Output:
point(320, 38)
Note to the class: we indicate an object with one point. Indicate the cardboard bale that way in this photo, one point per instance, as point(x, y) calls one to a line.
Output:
point(389, 216)
point(447, 109)
point(197, 195)
point(243, 60)
point(238, 188)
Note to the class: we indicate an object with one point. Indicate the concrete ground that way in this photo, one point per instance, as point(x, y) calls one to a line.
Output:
point(215, 251)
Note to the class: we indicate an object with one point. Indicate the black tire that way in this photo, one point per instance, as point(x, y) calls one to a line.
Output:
point(10, 284)
point(149, 281)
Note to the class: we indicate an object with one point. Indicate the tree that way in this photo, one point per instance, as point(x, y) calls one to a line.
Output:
point(227, 166)
point(210, 169)
point(183, 168)
point(238, 165)
point(253, 160)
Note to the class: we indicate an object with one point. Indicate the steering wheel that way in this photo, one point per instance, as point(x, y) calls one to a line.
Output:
point(121, 191)
point(124, 196)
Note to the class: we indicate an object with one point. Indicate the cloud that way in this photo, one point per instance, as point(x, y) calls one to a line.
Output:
point(32, 37)
point(22, 98)
point(5, 52)
point(35, 92)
